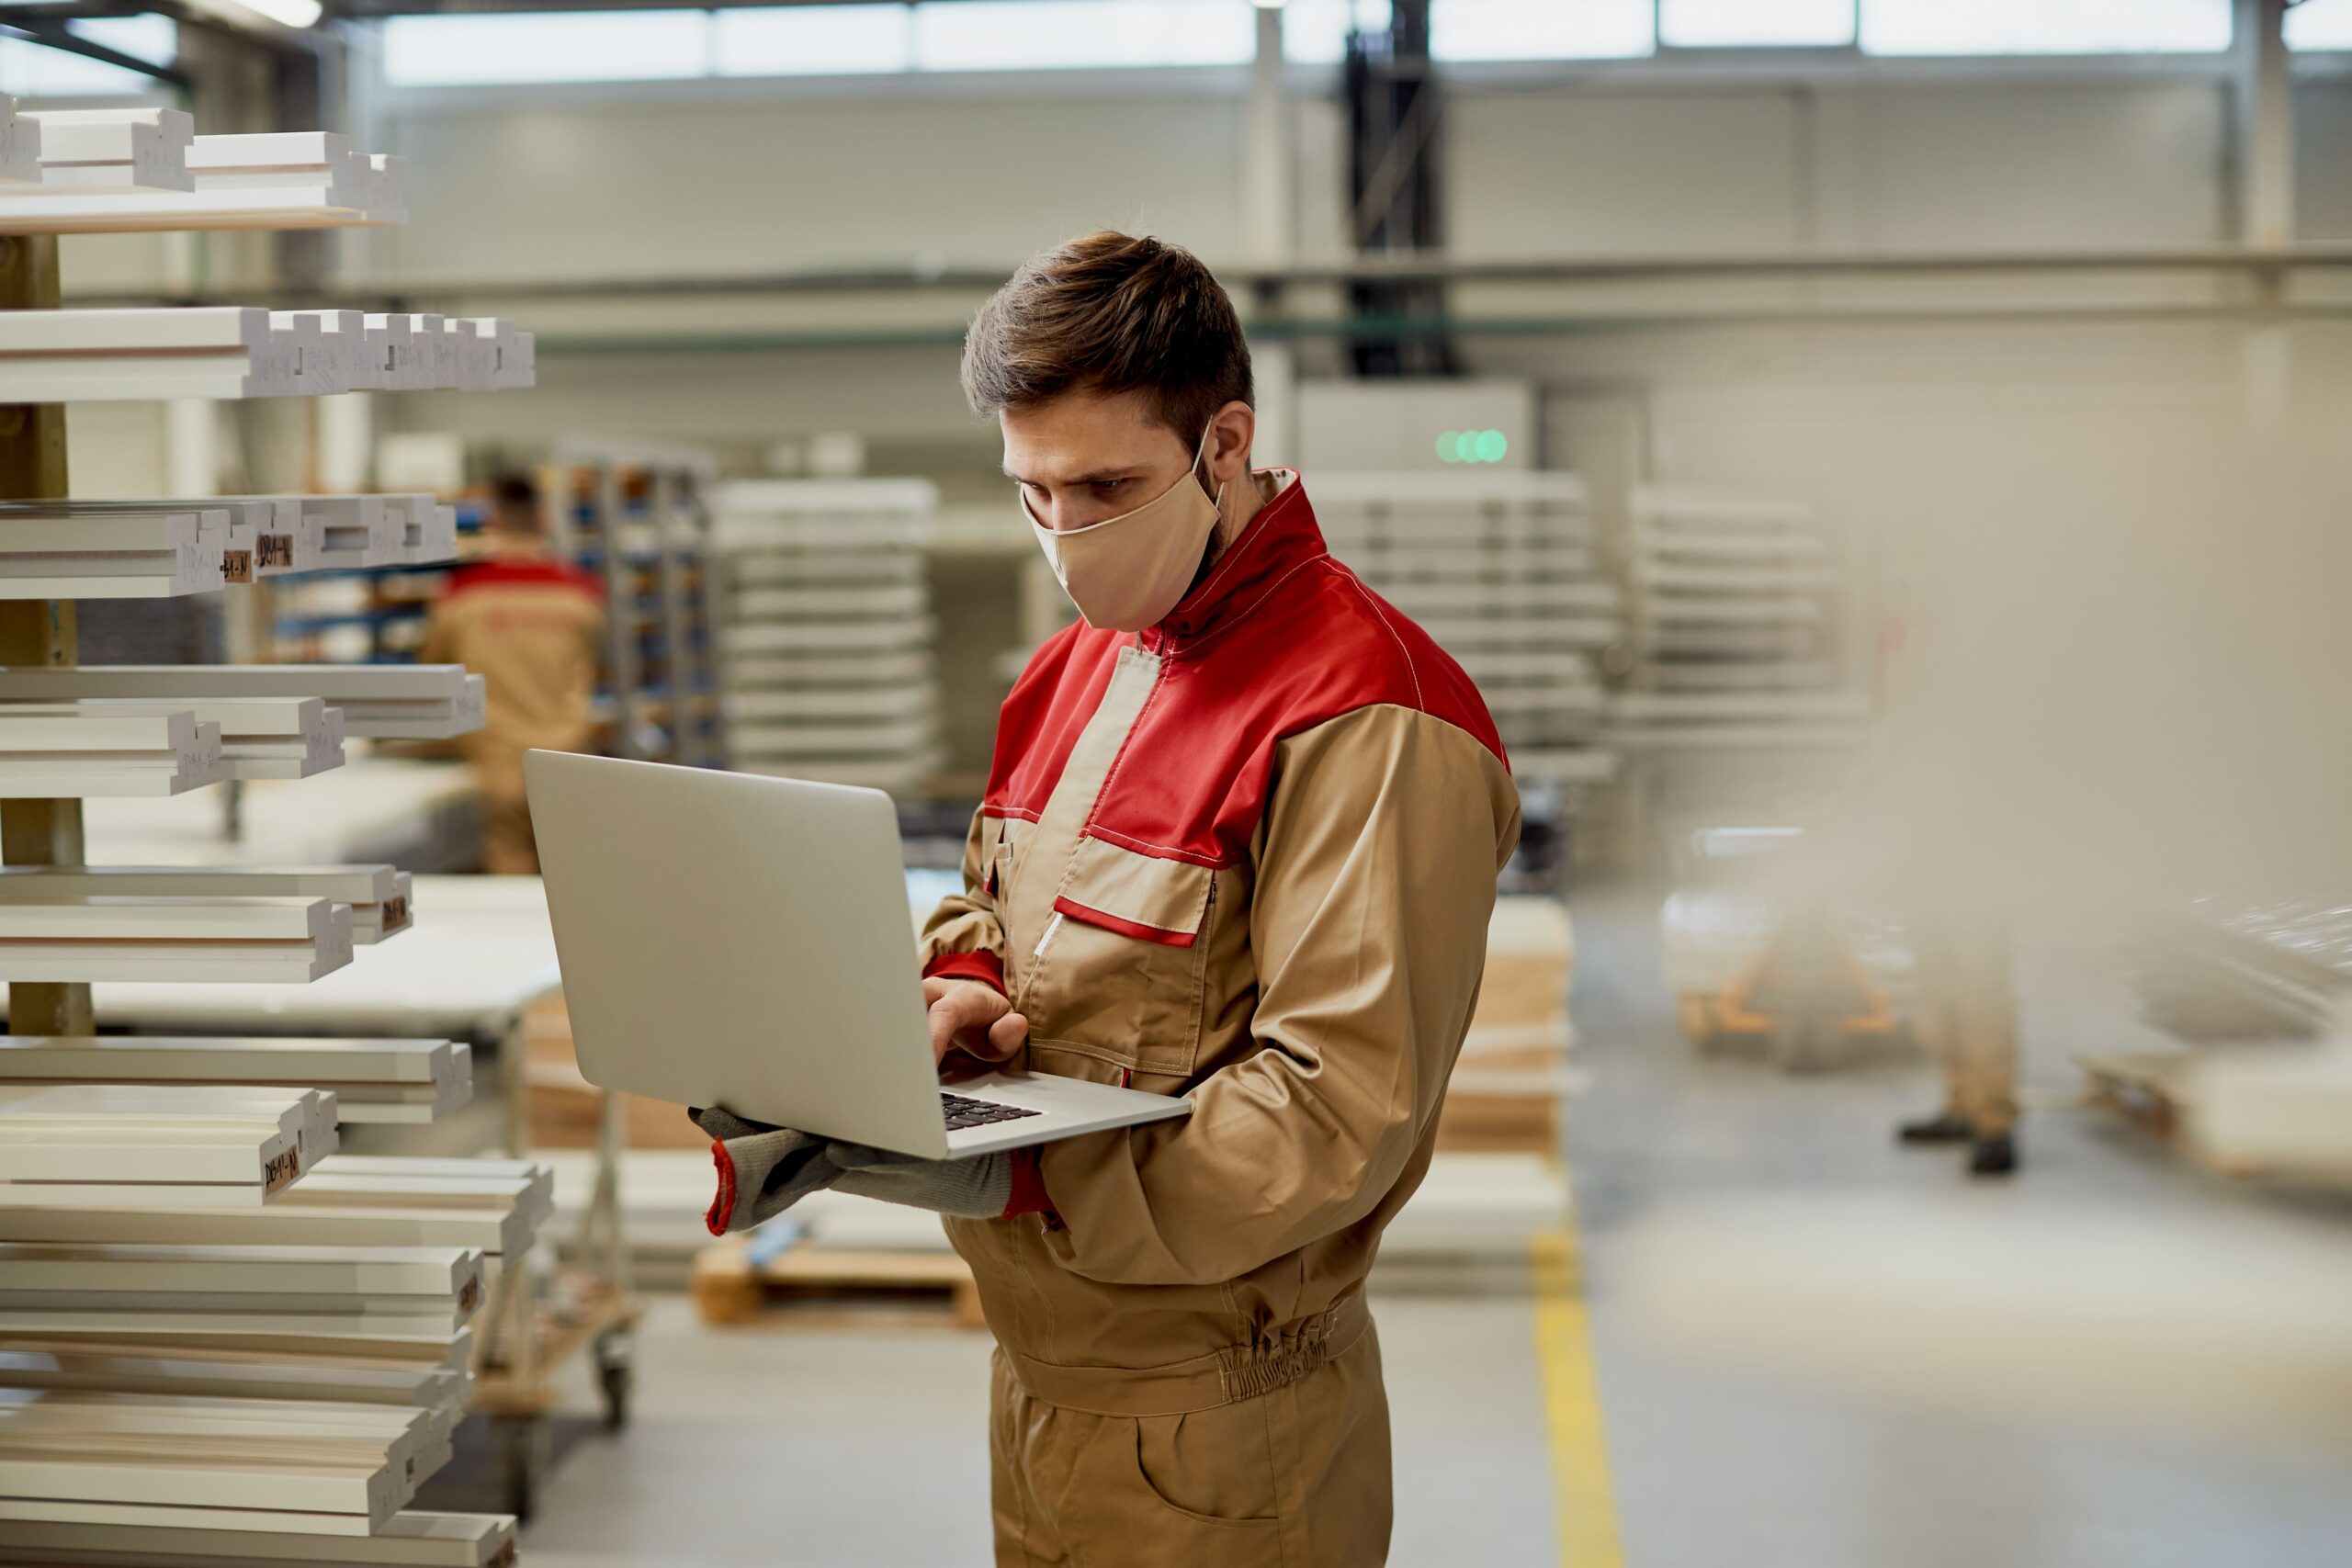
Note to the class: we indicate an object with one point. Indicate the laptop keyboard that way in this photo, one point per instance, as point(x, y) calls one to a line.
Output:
point(964, 1111)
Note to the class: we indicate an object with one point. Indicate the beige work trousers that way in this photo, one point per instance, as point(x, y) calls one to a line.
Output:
point(509, 847)
point(1964, 1013)
point(1297, 1477)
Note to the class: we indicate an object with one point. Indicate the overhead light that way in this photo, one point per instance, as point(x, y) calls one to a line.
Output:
point(1269, 5)
point(284, 13)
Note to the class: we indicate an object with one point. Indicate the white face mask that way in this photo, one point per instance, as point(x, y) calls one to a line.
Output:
point(1126, 572)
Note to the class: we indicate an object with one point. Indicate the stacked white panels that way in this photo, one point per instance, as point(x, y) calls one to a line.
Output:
point(409, 1540)
point(826, 636)
point(114, 151)
point(100, 171)
point(397, 702)
point(1739, 626)
point(193, 1151)
point(261, 738)
point(377, 895)
point(19, 146)
point(1502, 568)
point(1743, 686)
point(50, 551)
point(210, 351)
point(372, 1080)
point(94, 938)
point(55, 752)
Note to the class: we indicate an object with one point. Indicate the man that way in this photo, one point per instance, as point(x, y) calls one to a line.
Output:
point(1965, 1014)
point(531, 625)
point(1239, 843)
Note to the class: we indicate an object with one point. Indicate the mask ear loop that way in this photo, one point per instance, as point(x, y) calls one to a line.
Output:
point(1201, 456)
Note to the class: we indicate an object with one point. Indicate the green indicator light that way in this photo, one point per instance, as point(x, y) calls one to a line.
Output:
point(1449, 446)
point(1491, 445)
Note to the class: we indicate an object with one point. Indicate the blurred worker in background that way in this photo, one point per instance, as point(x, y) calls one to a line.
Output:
point(530, 623)
point(1965, 1014)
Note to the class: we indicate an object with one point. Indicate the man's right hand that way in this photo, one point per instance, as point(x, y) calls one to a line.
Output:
point(973, 1017)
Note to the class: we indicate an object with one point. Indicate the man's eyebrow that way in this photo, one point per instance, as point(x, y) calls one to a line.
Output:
point(1099, 475)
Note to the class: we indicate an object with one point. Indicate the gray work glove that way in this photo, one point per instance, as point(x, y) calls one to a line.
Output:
point(764, 1170)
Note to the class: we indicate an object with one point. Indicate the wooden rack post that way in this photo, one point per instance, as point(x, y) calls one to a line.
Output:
point(36, 631)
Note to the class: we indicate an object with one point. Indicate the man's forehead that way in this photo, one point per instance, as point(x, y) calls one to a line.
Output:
point(1080, 436)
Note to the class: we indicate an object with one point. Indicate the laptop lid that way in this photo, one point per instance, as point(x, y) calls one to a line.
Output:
point(733, 941)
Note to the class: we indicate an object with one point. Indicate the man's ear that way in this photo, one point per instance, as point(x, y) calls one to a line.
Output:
point(1231, 431)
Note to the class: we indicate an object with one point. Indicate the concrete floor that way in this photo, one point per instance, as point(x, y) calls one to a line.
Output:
point(862, 1449)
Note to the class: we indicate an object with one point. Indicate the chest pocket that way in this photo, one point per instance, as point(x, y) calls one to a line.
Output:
point(1117, 972)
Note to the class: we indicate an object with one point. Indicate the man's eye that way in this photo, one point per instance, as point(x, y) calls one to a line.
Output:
point(1109, 487)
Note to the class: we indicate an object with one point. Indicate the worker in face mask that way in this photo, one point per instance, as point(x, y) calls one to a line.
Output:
point(1239, 843)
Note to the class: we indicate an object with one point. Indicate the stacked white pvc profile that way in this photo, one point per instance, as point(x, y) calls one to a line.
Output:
point(261, 738)
point(377, 895)
point(386, 1181)
point(311, 533)
point(334, 350)
point(497, 1219)
point(19, 146)
point(95, 937)
point(405, 702)
point(417, 351)
point(229, 350)
point(410, 1538)
point(149, 174)
point(386, 183)
point(428, 529)
point(134, 1287)
point(257, 538)
point(208, 351)
point(51, 553)
point(122, 1366)
point(828, 669)
point(310, 1114)
point(343, 532)
point(199, 1155)
point(406, 349)
point(1502, 568)
point(231, 1398)
point(372, 1080)
point(1737, 617)
point(58, 754)
point(114, 151)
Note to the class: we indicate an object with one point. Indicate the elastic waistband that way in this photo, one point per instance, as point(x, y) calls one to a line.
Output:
point(1204, 1383)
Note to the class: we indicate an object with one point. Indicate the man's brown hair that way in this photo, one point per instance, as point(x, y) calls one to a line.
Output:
point(1111, 313)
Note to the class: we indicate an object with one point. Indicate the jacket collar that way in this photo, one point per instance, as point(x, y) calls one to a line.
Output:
point(1281, 538)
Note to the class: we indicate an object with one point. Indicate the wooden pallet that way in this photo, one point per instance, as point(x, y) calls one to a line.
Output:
point(818, 1286)
point(2152, 1089)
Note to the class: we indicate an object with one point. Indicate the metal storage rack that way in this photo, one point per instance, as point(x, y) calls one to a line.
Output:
point(1745, 691)
point(76, 1497)
point(826, 631)
point(635, 518)
point(1502, 567)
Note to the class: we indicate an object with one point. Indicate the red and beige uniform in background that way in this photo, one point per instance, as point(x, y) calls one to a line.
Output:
point(531, 625)
point(1248, 855)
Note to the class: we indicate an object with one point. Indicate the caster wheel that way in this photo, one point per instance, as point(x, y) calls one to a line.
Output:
point(520, 1443)
point(616, 1378)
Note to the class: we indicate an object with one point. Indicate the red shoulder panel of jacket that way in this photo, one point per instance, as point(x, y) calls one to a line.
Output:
point(1280, 638)
point(549, 573)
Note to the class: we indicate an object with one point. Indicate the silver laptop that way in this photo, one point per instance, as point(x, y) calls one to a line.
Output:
point(745, 942)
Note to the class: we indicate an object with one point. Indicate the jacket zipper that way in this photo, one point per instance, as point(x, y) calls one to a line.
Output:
point(1051, 927)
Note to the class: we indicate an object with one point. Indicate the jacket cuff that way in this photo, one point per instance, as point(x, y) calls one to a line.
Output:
point(722, 1204)
point(1028, 1187)
point(985, 967)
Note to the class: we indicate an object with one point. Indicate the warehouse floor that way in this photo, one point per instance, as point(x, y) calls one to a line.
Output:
point(860, 1449)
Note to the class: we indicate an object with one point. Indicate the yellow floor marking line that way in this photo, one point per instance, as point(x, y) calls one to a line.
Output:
point(1581, 1489)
